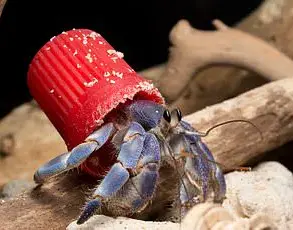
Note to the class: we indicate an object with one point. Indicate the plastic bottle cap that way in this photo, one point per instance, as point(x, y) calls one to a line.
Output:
point(77, 78)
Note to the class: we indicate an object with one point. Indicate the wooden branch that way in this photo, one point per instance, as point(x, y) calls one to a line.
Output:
point(193, 50)
point(272, 22)
point(269, 107)
point(2, 4)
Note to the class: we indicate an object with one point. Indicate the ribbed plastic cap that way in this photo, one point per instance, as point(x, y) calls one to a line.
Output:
point(77, 78)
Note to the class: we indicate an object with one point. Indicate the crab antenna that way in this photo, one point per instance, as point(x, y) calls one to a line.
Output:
point(204, 134)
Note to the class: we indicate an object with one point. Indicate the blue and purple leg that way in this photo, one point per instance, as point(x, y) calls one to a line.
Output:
point(139, 153)
point(76, 156)
point(197, 168)
point(207, 168)
point(218, 179)
point(189, 195)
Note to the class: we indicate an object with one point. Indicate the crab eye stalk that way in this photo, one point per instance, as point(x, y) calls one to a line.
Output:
point(179, 114)
point(176, 117)
point(167, 115)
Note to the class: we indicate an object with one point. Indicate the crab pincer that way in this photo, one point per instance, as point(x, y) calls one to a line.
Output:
point(116, 127)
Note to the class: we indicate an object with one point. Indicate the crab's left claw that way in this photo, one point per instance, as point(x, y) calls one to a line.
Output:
point(76, 156)
point(139, 154)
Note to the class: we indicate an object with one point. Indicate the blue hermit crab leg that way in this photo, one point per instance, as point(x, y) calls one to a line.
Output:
point(139, 153)
point(76, 156)
point(218, 183)
point(146, 180)
point(217, 179)
point(205, 160)
point(188, 195)
point(197, 170)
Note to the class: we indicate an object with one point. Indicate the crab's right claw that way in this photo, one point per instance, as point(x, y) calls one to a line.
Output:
point(76, 156)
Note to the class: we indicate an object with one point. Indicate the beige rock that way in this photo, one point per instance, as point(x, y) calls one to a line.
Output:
point(209, 216)
point(267, 189)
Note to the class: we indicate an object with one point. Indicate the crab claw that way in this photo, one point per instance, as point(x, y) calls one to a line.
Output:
point(139, 153)
point(76, 156)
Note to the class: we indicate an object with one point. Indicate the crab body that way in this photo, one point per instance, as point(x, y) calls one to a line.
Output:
point(141, 137)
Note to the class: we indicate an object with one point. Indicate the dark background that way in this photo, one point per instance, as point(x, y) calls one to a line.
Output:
point(139, 29)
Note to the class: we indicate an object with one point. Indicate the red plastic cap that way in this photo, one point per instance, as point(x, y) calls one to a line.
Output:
point(77, 78)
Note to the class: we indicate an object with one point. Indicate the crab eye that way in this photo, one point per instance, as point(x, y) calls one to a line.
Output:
point(167, 115)
point(179, 114)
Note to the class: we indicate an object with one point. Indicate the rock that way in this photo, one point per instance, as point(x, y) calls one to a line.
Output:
point(27, 141)
point(15, 187)
point(267, 189)
point(108, 223)
point(209, 216)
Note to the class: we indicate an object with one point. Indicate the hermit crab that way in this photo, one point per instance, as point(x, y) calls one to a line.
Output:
point(116, 127)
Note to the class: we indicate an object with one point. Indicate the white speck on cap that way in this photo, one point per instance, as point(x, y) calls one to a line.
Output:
point(107, 74)
point(93, 35)
point(114, 59)
point(120, 54)
point(91, 83)
point(52, 38)
point(120, 75)
point(111, 52)
point(89, 58)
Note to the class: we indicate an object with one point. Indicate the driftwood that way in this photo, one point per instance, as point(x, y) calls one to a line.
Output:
point(197, 86)
point(2, 4)
point(269, 107)
point(193, 50)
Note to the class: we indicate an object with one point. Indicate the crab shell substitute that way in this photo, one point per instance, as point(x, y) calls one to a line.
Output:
point(77, 78)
